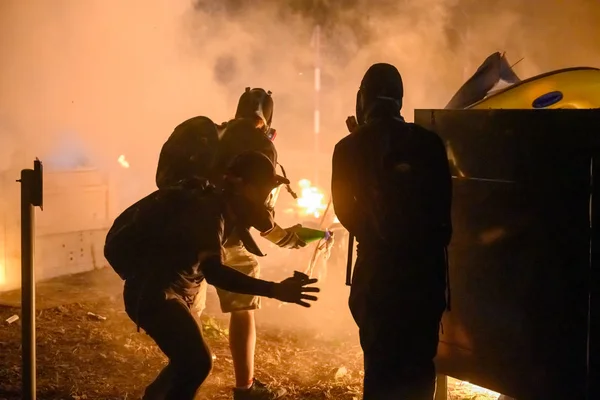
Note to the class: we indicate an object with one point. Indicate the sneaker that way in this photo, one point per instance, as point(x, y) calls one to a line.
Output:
point(258, 391)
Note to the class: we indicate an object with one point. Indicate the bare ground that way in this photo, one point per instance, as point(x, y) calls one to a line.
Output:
point(82, 356)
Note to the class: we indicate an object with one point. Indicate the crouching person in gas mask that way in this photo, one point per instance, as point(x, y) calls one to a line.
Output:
point(168, 243)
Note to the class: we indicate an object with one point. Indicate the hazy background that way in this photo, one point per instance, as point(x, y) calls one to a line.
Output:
point(84, 81)
point(93, 79)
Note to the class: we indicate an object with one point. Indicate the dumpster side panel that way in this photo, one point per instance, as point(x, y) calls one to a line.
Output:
point(520, 256)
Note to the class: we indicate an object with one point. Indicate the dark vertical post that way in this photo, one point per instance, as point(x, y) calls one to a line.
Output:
point(31, 196)
point(593, 362)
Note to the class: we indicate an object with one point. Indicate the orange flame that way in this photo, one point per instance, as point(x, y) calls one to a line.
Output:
point(123, 162)
point(311, 199)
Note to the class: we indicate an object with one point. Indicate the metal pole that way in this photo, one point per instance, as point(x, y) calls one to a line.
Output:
point(31, 195)
point(441, 387)
point(27, 287)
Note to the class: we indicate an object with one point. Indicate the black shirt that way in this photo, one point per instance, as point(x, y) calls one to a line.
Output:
point(179, 240)
point(356, 160)
point(186, 223)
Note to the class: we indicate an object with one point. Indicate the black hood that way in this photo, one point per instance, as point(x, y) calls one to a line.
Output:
point(382, 83)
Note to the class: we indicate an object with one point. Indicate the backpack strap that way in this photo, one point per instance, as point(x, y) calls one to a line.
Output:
point(287, 186)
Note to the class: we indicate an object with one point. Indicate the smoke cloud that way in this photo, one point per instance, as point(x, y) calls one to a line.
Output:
point(121, 75)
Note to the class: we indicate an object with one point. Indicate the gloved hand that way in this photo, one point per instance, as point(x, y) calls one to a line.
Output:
point(351, 123)
point(294, 289)
point(286, 238)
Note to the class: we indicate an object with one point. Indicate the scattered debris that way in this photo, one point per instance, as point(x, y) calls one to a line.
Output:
point(340, 373)
point(12, 319)
point(96, 316)
point(62, 309)
point(80, 359)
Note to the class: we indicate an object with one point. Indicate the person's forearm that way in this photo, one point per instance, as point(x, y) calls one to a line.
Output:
point(284, 238)
point(229, 279)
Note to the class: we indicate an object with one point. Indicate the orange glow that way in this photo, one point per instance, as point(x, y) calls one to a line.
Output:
point(2, 274)
point(311, 199)
point(469, 391)
point(123, 162)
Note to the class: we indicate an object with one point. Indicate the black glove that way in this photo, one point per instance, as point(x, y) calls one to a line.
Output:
point(351, 124)
point(293, 290)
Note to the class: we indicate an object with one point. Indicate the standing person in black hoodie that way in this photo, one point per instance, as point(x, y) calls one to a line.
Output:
point(250, 130)
point(392, 190)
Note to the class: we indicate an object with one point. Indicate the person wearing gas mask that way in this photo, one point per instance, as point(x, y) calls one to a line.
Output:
point(165, 245)
point(392, 190)
point(249, 130)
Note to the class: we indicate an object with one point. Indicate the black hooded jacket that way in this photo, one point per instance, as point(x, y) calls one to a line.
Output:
point(420, 214)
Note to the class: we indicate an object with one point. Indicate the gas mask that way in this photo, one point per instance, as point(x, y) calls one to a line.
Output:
point(271, 134)
point(257, 102)
point(360, 112)
point(272, 199)
point(249, 214)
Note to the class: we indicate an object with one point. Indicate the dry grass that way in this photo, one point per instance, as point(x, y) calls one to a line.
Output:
point(82, 357)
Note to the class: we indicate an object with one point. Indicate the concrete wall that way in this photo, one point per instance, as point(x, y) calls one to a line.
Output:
point(80, 205)
point(70, 230)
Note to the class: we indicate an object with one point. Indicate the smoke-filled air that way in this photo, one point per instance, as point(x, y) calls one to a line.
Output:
point(99, 85)
point(91, 80)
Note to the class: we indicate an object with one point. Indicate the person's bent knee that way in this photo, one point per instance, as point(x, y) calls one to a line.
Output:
point(201, 371)
point(194, 369)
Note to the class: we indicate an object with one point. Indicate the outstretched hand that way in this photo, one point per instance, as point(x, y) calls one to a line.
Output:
point(294, 289)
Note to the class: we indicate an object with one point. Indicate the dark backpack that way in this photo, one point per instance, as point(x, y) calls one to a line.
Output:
point(396, 181)
point(137, 239)
point(189, 152)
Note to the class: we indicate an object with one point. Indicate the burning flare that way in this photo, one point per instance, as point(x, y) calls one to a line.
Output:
point(124, 163)
point(311, 199)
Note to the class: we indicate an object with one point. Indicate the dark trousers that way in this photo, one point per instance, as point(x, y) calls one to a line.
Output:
point(398, 315)
point(398, 357)
point(167, 319)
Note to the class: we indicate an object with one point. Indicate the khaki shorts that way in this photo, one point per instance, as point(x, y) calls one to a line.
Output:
point(238, 258)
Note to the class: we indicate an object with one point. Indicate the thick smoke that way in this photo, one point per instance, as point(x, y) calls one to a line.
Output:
point(120, 75)
point(83, 82)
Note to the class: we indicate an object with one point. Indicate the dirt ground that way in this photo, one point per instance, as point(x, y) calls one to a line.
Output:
point(101, 356)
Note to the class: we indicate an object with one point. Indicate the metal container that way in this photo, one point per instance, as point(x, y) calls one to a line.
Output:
point(523, 260)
